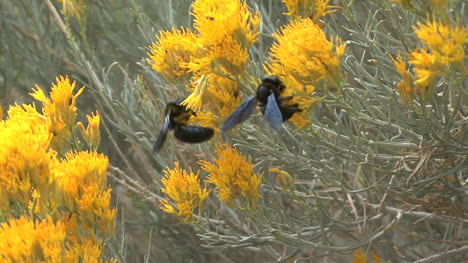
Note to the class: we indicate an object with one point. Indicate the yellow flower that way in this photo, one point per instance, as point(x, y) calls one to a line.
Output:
point(227, 30)
point(447, 43)
point(194, 100)
point(426, 68)
point(1, 112)
point(222, 98)
point(303, 52)
point(285, 179)
point(86, 250)
point(82, 178)
point(60, 109)
point(405, 87)
point(24, 156)
point(91, 134)
point(314, 9)
point(360, 257)
point(173, 51)
point(74, 8)
point(25, 240)
point(233, 175)
point(184, 189)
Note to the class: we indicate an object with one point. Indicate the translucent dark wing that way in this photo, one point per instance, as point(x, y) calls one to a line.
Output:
point(272, 113)
point(163, 134)
point(193, 134)
point(241, 114)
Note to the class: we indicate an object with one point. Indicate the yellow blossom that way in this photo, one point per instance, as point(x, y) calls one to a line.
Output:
point(24, 156)
point(303, 52)
point(86, 250)
point(194, 100)
point(185, 191)
point(227, 30)
point(405, 87)
point(285, 179)
point(82, 178)
point(222, 98)
point(1, 112)
point(360, 257)
point(426, 68)
point(314, 9)
point(91, 134)
point(233, 176)
point(172, 51)
point(25, 240)
point(446, 42)
point(74, 8)
point(60, 109)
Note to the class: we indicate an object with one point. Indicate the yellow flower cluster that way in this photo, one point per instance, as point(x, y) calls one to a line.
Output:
point(314, 9)
point(360, 257)
point(231, 173)
point(211, 59)
point(59, 110)
point(26, 240)
point(233, 176)
point(445, 50)
point(172, 52)
point(227, 30)
point(91, 134)
point(184, 188)
point(54, 188)
point(302, 57)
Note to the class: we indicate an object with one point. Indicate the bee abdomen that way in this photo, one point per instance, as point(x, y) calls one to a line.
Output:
point(193, 134)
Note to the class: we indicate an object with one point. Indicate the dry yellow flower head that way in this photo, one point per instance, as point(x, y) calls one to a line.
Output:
point(314, 9)
point(172, 51)
point(185, 191)
point(25, 240)
point(24, 156)
point(233, 176)
point(227, 30)
point(60, 109)
point(303, 52)
point(91, 134)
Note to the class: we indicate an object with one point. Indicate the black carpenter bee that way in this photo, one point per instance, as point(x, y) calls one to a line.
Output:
point(176, 118)
point(269, 99)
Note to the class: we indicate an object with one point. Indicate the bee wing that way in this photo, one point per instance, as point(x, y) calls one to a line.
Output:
point(241, 114)
point(193, 134)
point(163, 134)
point(272, 113)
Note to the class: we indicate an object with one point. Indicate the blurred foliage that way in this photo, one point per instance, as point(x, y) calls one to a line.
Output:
point(369, 171)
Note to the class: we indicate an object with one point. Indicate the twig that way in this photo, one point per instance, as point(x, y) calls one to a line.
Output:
point(442, 255)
